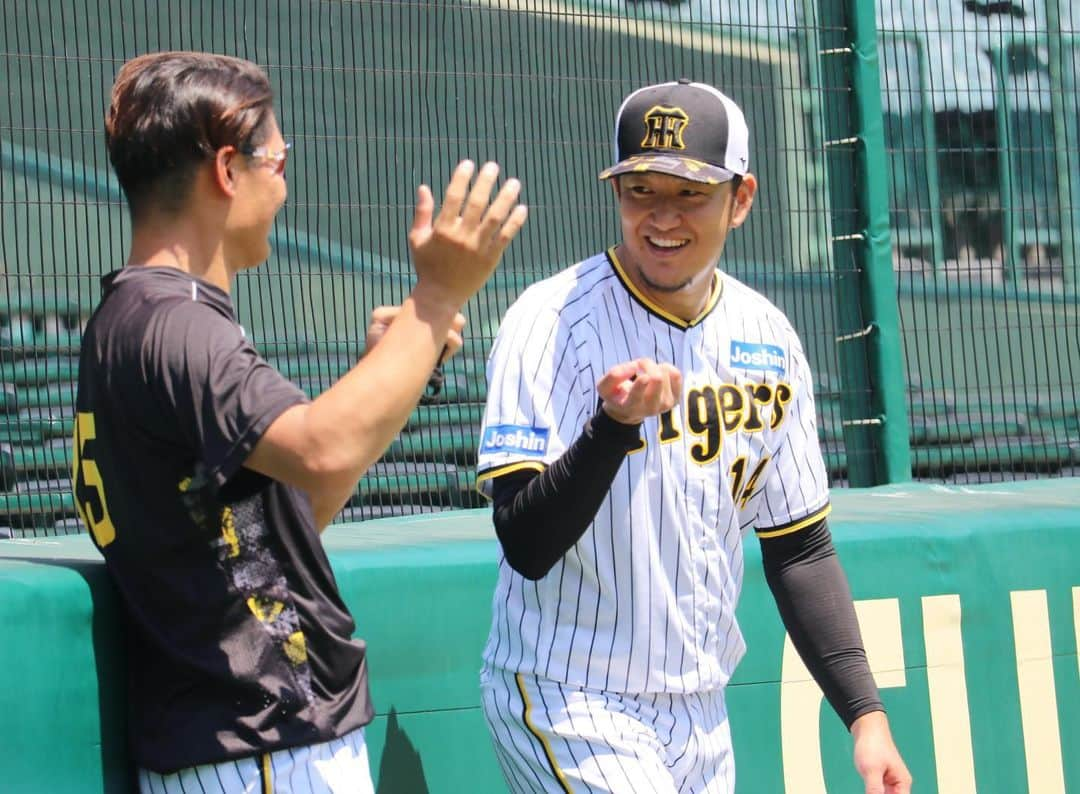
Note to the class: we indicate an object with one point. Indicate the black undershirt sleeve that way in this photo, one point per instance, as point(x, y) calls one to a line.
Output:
point(814, 600)
point(540, 516)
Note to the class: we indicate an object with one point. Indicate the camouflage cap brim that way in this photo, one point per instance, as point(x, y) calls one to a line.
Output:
point(684, 167)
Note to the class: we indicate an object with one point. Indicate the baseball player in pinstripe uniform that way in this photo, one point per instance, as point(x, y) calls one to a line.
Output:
point(205, 476)
point(644, 410)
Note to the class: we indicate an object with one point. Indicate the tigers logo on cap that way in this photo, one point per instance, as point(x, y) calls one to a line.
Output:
point(664, 128)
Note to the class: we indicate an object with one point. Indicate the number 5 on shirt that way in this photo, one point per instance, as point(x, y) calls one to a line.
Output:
point(88, 488)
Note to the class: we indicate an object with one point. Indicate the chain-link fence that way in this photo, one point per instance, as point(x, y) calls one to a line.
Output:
point(969, 322)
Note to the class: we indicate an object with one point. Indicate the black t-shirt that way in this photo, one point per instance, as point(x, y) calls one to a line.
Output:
point(239, 641)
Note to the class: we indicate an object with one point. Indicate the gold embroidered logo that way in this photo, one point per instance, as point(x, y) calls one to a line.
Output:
point(664, 128)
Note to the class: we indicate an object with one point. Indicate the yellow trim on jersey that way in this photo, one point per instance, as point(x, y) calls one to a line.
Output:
point(542, 739)
point(267, 770)
point(499, 471)
point(795, 526)
point(714, 297)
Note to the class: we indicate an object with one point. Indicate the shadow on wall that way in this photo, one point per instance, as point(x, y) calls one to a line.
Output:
point(401, 770)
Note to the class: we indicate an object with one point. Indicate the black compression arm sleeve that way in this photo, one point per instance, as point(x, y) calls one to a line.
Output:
point(814, 600)
point(539, 517)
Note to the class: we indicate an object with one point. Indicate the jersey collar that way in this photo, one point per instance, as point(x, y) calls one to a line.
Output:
point(652, 308)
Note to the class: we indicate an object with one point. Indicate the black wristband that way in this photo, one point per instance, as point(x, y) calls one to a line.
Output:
point(604, 428)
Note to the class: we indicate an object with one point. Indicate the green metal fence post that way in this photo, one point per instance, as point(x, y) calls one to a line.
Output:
point(879, 281)
point(1062, 50)
point(872, 366)
point(933, 179)
point(1006, 167)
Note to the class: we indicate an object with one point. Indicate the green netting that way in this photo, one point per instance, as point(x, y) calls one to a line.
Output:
point(978, 137)
point(981, 111)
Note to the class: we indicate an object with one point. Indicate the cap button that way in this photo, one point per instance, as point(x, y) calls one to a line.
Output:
point(684, 81)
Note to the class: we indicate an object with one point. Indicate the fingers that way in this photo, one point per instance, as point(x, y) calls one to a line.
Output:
point(505, 217)
point(634, 390)
point(455, 194)
point(661, 384)
point(674, 379)
point(873, 775)
point(384, 315)
point(480, 195)
point(454, 338)
point(616, 379)
point(454, 341)
point(877, 760)
point(425, 206)
point(381, 318)
point(508, 230)
point(498, 221)
point(897, 778)
point(655, 388)
point(512, 226)
point(455, 253)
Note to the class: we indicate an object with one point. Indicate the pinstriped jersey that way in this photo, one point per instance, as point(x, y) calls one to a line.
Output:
point(645, 600)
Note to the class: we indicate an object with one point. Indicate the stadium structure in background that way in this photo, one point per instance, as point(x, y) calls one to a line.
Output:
point(920, 171)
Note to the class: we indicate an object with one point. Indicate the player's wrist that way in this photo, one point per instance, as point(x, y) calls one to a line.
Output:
point(616, 416)
point(609, 428)
point(872, 721)
point(435, 302)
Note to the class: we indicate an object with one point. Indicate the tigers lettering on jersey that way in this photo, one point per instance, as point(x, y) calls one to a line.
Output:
point(711, 411)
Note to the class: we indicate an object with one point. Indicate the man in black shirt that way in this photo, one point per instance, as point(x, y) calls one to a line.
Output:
point(204, 476)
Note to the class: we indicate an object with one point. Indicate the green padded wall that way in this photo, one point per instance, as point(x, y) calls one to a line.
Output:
point(969, 600)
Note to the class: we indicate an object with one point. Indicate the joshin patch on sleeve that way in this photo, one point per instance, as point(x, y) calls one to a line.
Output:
point(519, 439)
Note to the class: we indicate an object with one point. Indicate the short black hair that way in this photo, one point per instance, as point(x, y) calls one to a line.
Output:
point(172, 110)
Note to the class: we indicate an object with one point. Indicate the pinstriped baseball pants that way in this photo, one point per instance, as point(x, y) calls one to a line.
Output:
point(339, 766)
point(558, 738)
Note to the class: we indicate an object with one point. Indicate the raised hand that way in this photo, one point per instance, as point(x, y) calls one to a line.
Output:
point(636, 389)
point(456, 251)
